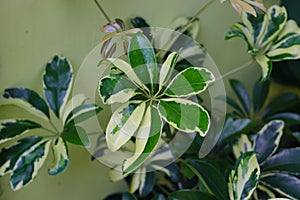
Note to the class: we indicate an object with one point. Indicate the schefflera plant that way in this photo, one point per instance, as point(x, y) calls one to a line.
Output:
point(147, 98)
point(27, 155)
point(270, 37)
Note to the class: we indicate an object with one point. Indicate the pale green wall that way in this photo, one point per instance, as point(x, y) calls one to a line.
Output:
point(32, 31)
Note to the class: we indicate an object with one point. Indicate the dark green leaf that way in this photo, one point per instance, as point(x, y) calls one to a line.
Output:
point(61, 156)
point(148, 185)
point(159, 197)
point(287, 117)
point(76, 135)
point(10, 155)
point(82, 113)
point(191, 195)
point(234, 128)
point(281, 103)
point(28, 97)
point(267, 140)
point(57, 83)
point(28, 164)
point(232, 103)
point(214, 180)
point(143, 60)
point(287, 161)
point(297, 136)
point(128, 196)
point(10, 129)
point(242, 94)
point(260, 93)
point(285, 184)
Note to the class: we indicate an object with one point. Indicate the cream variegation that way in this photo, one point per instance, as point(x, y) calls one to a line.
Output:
point(270, 37)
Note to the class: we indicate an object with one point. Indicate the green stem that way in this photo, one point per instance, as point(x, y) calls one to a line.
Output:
point(102, 10)
point(49, 130)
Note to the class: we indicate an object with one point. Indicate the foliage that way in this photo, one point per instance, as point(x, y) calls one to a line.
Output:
point(25, 157)
point(270, 37)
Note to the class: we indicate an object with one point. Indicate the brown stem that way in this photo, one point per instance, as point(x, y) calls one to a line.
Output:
point(102, 10)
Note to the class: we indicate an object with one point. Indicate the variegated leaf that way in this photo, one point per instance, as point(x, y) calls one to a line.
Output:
point(147, 137)
point(61, 156)
point(282, 183)
point(28, 100)
point(75, 101)
point(287, 161)
point(28, 164)
point(190, 81)
point(244, 179)
point(266, 66)
point(57, 79)
point(123, 124)
point(127, 69)
point(287, 46)
point(242, 146)
point(267, 140)
point(184, 115)
point(10, 129)
point(82, 113)
point(10, 155)
point(115, 88)
point(167, 69)
point(143, 60)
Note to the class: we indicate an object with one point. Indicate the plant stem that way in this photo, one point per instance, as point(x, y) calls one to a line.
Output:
point(208, 3)
point(235, 70)
point(102, 10)
point(49, 130)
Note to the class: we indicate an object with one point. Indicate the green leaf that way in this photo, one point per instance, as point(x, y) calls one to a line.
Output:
point(232, 103)
point(10, 129)
point(242, 94)
point(287, 117)
point(29, 100)
point(184, 115)
point(190, 195)
point(287, 161)
point(82, 113)
point(260, 93)
point(147, 137)
point(128, 196)
point(28, 164)
point(287, 44)
point(61, 156)
point(127, 69)
point(75, 101)
point(267, 140)
point(281, 103)
point(234, 128)
point(147, 185)
point(167, 69)
point(115, 88)
point(214, 181)
point(190, 81)
point(123, 124)
point(57, 83)
point(76, 135)
point(285, 184)
point(244, 179)
point(297, 136)
point(159, 197)
point(10, 155)
point(143, 60)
